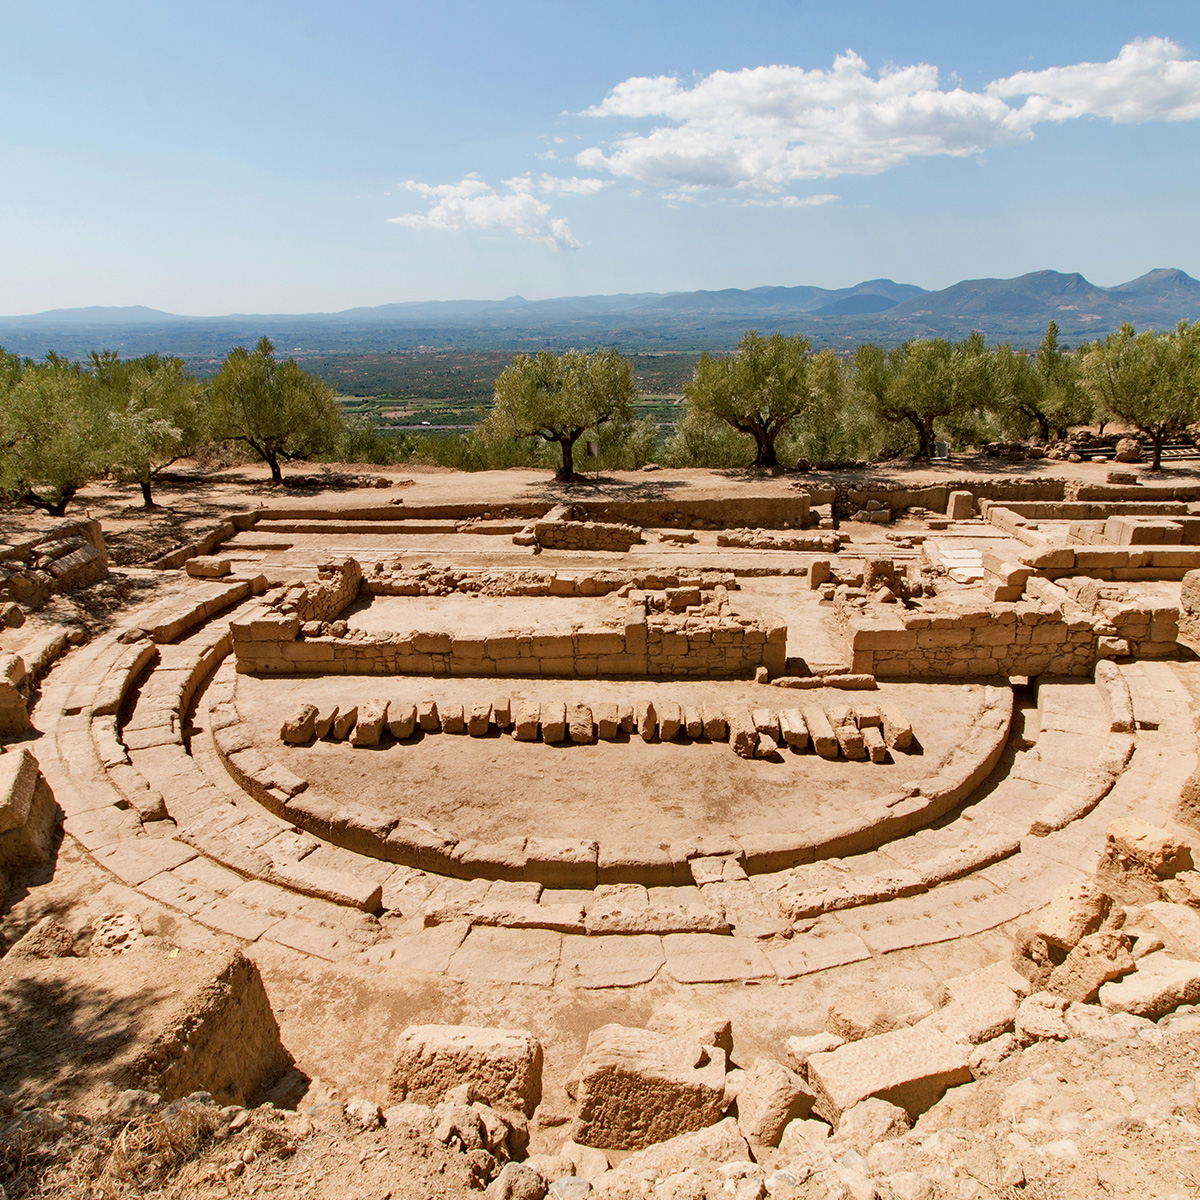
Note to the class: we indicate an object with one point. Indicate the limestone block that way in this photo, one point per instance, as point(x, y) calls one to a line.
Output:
point(872, 1011)
point(693, 1026)
point(627, 718)
point(343, 723)
point(526, 716)
point(27, 811)
point(428, 717)
point(716, 728)
point(581, 727)
point(300, 724)
point(560, 862)
point(372, 718)
point(743, 737)
point(608, 722)
point(502, 712)
point(800, 1049)
point(824, 741)
point(479, 719)
point(705, 1149)
point(205, 566)
point(909, 1067)
point(767, 723)
point(1158, 986)
point(1096, 959)
point(792, 728)
point(647, 720)
point(554, 723)
point(693, 722)
point(870, 1122)
point(635, 1088)
point(874, 744)
point(504, 1066)
point(851, 742)
point(768, 1097)
point(819, 572)
point(1040, 1019)
point(959, 505)
point(323, 725)
point(670, 720)
point(1075, 910)
point(1146, 848)
point(454, 719)
point(897, 729)
point(402, 719)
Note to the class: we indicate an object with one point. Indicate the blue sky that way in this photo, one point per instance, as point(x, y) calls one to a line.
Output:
point(292, 157)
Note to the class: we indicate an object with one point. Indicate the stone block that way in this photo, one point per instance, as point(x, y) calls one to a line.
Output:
point(372, 719)
point(581, 727)
point(402, 719)
point(1095, 960)
point(635, 1088)
point(705, 1150)
point(824, 741)
point(670, 720)
point(647, 720)
point(1150, 849)
point(693, 722)
point(608, 722)
point(850, 742)
point(503, 1066)
point(427, 716)
point(525, 719)
point(1158, 986)
point(766, 722)
point(502, 712)
point(874, 744)
point(27, 811)
point(911, 1068)
point(872, 1011)
point(1075, 910)
point(479, 719)
point(454, 719)
point(959, 505)
point(300, 725)
point(554, 723)
point(716, 728)
point(560, 862)
point(792, 728)
point(769, 1096)
point(343, 723)
point(743, 737)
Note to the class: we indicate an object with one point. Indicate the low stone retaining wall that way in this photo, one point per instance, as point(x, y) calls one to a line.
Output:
point(560, 530)
point(393, 579)
point(754, 539)
point(72, 554)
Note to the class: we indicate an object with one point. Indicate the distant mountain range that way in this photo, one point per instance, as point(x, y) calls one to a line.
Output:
point(1015, 310)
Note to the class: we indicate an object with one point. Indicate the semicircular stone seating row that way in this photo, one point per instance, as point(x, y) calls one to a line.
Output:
point(165, 810)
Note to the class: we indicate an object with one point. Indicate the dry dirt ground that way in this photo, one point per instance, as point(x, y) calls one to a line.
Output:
point(1123, 1115)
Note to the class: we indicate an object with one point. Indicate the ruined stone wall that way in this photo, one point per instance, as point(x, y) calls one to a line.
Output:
point(665, 646)
point(990, 640)
point(559, 530)
point(1189, 610)
point(71, 554)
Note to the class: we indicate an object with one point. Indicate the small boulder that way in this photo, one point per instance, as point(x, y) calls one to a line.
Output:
point(769, 1097)
point(873, 1011)
point(871, 1121)
point(300, 725)
point(1075, 911)
point(1096, 959)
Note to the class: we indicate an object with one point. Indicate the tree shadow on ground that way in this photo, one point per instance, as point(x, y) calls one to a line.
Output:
point(606, 487)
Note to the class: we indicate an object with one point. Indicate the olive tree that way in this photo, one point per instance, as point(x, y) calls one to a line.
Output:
point(759, 390)
point(53, 432)
point(277, 409)
point(1042, 389)
point(923, 382)
point(155, 416)
point(559, 397)
point(1147, 380)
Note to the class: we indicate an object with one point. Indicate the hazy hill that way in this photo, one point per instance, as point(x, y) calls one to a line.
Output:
point(881, 310)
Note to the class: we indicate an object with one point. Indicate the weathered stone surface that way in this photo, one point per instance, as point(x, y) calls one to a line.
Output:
point(824, 741)
point(792, 728)
point(454, 719)
point(1134, 845)
point(910, 1067)
point(479, 719)
point(719, 1143)
point(525, 719)
point(647, 720)
point(323, 725)
point(554, 722)
point(343, 723)
point(1158, 986)
point(680, 1022)
point(299, 725)
point(670, 720)
point(800, 1049)
point(1040, 1018)
point(580, 726)
point(1096, 959)
point(427, 716)
point(743, 737)
point(869, 1122)
point(517, 1181)
point(870, 1012)
point(768, 1097)
point(1075, 911)
point(27, 811)
point(372, 718)
point(505, 1066)
point(635, 1088)
point(402, 719)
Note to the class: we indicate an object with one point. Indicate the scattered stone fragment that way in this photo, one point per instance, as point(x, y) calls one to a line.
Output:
point(1040, 1018)
point(768, 1097)
point(635, 1088)
point(743, 737)
point(504, 1066)
point(402, 719)
point(647, 720)
point(875, 746)
point(800, 1049)
point(897, 731)
point(299, 725)
point(368, 729)
point(1075, 910)
point(869, 1122)
point(1095, 959)
point(580, 726)
point(792, 728)
point(502, 712)
point(324, 722)
point(767, 748)
point(525, 719)
point(344, 722)
point(693, 722)
point(1158, 986)
point(715, 726)
point(873, 1011)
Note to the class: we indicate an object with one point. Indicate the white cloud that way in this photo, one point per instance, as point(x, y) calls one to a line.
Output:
point(1150, 80)
point(472, 204)
point(763, 129)
point(552, 185)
